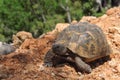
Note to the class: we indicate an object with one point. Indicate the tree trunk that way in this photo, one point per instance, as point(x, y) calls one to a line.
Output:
point(43, 17)
point(67, 10)
point(68, 14)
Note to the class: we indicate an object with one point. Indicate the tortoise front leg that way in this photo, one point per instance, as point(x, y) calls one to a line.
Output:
point(81, 65)
point(48, 58)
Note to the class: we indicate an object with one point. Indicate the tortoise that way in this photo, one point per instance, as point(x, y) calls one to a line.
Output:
point(79, 43)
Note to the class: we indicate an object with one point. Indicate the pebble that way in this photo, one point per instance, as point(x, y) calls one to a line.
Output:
point(112, 63)
point(41, 67)
point(118, 68)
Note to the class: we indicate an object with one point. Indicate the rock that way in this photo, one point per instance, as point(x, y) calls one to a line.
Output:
point(111, 11)
point(87, 18)
point(60, 26)
point(74, 22)
point(104, 16)
point(20, 37)
point(6, 48)
point(118, 68)
point(112, 30)
point(41, 67)
point(113, 63)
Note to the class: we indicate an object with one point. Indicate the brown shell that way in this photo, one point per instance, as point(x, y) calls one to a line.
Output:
point(86, 40)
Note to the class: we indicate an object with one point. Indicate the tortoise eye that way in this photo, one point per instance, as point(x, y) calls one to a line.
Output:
point(57, 47)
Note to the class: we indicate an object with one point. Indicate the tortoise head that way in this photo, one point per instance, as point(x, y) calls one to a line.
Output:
point(59, 49)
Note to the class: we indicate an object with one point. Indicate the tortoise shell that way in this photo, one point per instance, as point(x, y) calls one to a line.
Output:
point(85, 40)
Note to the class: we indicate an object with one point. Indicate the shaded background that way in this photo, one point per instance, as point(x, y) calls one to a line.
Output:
point(40, 16)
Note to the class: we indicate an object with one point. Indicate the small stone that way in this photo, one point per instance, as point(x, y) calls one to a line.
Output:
point(64, 75)
point(112, 63)
point(118, 68)
point(41, 67)
point(114, 70)
point(112, 30)
point(101, 75)
point(61, 26)
point(79, 73)
point(53, 74)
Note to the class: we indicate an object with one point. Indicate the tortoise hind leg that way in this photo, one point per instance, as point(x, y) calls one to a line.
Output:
point(81, 65)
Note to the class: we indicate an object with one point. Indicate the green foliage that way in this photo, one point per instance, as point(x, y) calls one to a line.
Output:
point(2, 38)
point(39, 16)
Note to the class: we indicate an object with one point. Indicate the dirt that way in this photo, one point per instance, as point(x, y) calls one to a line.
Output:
point(26, 63)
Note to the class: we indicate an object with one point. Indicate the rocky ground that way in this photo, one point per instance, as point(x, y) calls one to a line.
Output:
point(26, 62)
